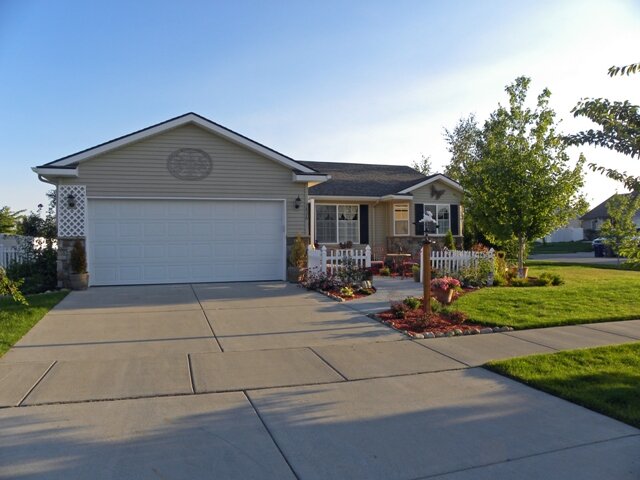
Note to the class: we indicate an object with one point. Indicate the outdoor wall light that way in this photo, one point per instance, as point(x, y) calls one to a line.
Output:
point(297, 202)
point(71, 200)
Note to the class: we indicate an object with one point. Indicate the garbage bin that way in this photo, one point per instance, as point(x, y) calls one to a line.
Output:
point(598, 250)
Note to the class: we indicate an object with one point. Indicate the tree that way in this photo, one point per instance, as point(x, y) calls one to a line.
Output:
point(423, 165)
point(619, 229)
point(619, 129)
point(9, 220)
point(519, 183)
point(463, 143)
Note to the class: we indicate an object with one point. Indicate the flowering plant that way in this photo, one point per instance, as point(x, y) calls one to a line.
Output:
point(445, 284)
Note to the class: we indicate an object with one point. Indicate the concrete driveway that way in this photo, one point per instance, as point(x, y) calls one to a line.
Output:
point(266, 380)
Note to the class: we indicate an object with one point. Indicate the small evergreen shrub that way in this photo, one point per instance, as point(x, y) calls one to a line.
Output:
point(412, 302)
point(449, 241)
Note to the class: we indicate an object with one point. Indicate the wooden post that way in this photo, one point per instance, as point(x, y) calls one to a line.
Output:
point(426, 278)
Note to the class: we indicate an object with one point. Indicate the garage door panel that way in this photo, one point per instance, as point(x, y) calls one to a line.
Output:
point(165, 241)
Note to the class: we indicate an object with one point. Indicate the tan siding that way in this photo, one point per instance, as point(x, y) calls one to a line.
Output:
point(381, 225)
point(423, 195)
point(140, 170)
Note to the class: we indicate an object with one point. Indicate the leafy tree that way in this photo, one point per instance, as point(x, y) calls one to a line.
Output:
point(519, 183)
point(9, 220)
point(463, 142)
point(619, 229)
point(619, 123)
point(423, 165)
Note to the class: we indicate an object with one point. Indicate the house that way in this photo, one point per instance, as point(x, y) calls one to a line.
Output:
point(593, 219)
point(188, 200)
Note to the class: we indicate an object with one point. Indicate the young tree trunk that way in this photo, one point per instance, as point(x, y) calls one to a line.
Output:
point(521, 247)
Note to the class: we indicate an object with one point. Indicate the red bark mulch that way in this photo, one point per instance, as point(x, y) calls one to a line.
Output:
point(438, 323)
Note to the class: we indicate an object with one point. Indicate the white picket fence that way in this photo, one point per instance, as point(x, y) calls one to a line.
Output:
point(8, 255)
point(454, 261)
point(329, 261)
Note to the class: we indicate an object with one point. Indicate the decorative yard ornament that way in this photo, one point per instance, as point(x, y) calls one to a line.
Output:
point(436, 193)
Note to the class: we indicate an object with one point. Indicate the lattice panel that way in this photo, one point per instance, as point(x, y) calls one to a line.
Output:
point(72, 220)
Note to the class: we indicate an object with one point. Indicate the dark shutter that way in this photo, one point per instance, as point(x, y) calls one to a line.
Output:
point(419, 211)
point(364, 224)
point(309, 223)
point(455, 219)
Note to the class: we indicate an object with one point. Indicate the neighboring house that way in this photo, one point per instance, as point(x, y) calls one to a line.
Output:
point(592, 220)
point(572, 232)
point(188, 200)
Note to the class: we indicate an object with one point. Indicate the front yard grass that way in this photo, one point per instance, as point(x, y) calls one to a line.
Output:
point(16, 320)
point(590, 294)
point(561, 247)
point(604, 379)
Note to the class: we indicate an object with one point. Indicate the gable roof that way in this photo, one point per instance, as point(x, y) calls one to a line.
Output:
point(188, 118)
point(600, 211)
point(370, 180)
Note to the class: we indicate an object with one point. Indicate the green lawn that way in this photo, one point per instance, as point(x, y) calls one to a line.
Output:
point(604, 379)
point(562, 247)
point(590, 294)
point(16, 319)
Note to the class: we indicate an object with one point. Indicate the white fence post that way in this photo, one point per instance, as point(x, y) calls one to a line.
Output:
point(367, 256)
point(323, 259)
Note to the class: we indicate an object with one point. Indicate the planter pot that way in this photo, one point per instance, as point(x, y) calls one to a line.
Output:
point(79, 281)
point(444, 297)
point(416, 276)
point(293, 274)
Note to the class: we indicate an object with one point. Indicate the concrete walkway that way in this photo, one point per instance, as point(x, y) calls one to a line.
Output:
point(267, 380)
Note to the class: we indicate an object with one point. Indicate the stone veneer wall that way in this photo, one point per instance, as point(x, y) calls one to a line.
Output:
point(65, 245)
point(414, 244)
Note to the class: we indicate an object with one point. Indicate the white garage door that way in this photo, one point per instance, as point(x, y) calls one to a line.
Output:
point(170, 241)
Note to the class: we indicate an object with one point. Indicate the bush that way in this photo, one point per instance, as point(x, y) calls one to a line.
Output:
point(11, 288)
point(415, 268)
point(519, 282)
point(412, 302)
point(350, 273)
point(551, 279)
point(399, 309)
point(322, 281)
point(385, 272)
point(298, 256)
point(38, 268)
point(347, 292)
point(449, 242)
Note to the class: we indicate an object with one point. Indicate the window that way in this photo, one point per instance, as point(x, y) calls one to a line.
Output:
point(401, 219)
point(441, 213)
point(337, 223)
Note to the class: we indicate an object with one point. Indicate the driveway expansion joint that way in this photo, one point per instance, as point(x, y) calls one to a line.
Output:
point(206, 317)
point(328, 364)
point(36, 383)
point(533, 455)
point(275, 442)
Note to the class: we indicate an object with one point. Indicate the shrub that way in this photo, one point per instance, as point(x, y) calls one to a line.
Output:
point(412, 302)
point(385, 272)
point(456, 316)
point(449, 242)
point(347, 292)
point(519, 282)
point(78, 258)
point(298, 256)
point(37, 269)
point(551, 278)
point(399, 309)
point(11, 288)
point(415, 268)
point(322, 281)
point(350, 273)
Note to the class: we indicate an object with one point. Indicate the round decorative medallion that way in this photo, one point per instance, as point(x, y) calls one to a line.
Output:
point(189, 164)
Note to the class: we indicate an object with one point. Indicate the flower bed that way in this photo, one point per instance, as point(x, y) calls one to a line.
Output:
point(341, 297)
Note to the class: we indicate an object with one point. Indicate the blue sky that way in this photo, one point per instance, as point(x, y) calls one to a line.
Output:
point(372, 82)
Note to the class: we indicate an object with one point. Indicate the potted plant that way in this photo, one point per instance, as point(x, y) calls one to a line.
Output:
point(444, 289)
point(297, 260)
point(79, 278)
point(415, 269)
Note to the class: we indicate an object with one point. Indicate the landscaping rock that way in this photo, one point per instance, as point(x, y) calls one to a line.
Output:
point(439, 334)
point(418, 335)
point(487, 330)
point(497, 329)
point(457, 331)
point(449, 334)
point(506, 329)
point(429, 335)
